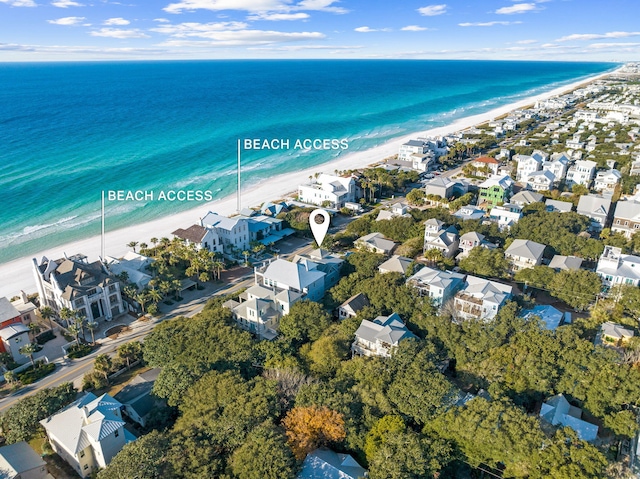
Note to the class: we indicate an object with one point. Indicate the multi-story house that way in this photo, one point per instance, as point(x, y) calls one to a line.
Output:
point(542, 180)
point(333, 191)
point(303, 277)
point(523, 254)
point(436, 236)
point(352, 306)
point(616, 268)
point(626, 219)
point(412, 147)
point(480, 298)
point(597, 208)
point(527, 165)
point(506, 215)
point(471, 240)
point(74, 283)
point(581, 173)
point(200, 237)
point(439, 286)
point(324, 261)
point(486, 165)
point(88, 433)
point(606, 181)
point(496, 189)
point(557, 164)
point(233, 233)
point(445, 187)
point(381, 336)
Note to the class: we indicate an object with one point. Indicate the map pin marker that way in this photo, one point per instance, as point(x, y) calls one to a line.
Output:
point(319, 230)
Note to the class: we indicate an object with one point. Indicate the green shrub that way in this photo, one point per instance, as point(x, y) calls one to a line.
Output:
point(44, 337)
point(31, 375)
point(78, 351)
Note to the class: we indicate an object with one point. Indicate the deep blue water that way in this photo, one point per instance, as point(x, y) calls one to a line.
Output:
point(70, 130)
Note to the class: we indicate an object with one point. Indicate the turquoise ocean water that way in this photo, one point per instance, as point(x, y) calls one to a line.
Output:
point(70, 130)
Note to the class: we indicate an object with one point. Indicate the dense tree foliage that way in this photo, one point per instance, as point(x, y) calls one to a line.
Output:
point(489, 263)
point(144, 458)
point(264, 455)
point(308, 428)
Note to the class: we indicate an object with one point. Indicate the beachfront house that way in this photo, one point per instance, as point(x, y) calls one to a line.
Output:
point(304, 277)
point(436, 236)
point(616, 268)
point(88, 433)
point(381, 336)
point(74, 283)
point(480, 298)
point(439, 286)
point(597, 208)
point(134, 265)
point(581, 173)
point(496, 189)
point(523, 254)
point(233, 233)
point(626, 219)
point(330, 191)
point(200, 237)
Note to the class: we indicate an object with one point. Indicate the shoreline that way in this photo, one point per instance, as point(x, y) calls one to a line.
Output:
point(19, 271)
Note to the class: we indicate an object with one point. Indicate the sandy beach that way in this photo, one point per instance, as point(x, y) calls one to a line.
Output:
point(17, 275)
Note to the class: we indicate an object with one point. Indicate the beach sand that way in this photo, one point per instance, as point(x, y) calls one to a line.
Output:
point(18, 275)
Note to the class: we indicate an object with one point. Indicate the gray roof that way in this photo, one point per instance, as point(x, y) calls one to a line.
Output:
point(526, 197)
point(560, 206)
point(435, 277)
point(356, 302)
point(396, 264)
point(386, 329)
point(472, 236)
point(142, 384)
point(326, 464)
point(565, 262)
point(378, 240)
point(13, 330)
point(487, 290)
point(215, 220)
point(76, 277)
point(503, 181)
point(617, 331)
point(7, 310)
point(592, 205)
point(414, 143)
point(628, 210)
point(558, 411)
point(526, 249)
point(17, 459)
point(295, 275)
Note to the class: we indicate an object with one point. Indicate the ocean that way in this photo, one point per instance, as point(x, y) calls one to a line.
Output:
point(68, 131)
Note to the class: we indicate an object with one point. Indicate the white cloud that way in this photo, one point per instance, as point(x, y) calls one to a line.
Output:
point(116, 21)
point(413, 28)
point(597, 36)
point(67, 21)
point(517, 8)
point(66, 4)
point(370, 30)
point(254, 6)
point(279, 16)
point(296, 48)
point(486, 24)
point(526, 42)
point(20, 3)
point(433, 10)
point(191, 29)
point(597, 46)
point(118, 33)
point(161, 20)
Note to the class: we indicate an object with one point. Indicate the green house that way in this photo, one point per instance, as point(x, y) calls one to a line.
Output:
point(496, 189)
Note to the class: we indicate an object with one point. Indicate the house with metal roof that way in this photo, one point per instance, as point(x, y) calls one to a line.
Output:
point(471, 240)
point(88, 433)
point(566, 263)
point(542, 180)
point(558, 412)
point(626, 218)
point(20, 461)
point(324, 261)
point(380, 336)
point(523, 254)
point(304, 277)
point(329, 189)
point(375, 243)
point(439, 286)
point(558, 206)
point(526, 197)
point(136, 397)
point(616, 268)
point(73, 282)
point(495, 189)
point(480, 298)
point(436, 236)
point(326, 464)
point(550, 318)
point(395, 264)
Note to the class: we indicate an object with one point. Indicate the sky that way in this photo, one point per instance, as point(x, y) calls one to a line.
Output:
point(69, 30)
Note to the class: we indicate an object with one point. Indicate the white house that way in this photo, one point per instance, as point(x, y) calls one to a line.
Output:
point(332, 190)
point(201, 237)
point(439, 286)
point(20, 461)
point(395, 264)
point(487, 165)
point(542, 180)
point(303, 277)
point(412, 147)
point(626, 219)
point(506, 215)
point(471, 240)
point(527, 165)
point(88, 433)
point(525, 197)
point(616, 268)
point(595, 207)
point(481, 298)
point(352, 306)
point(607, 180)
point(523, 254)
point(558, 206)
point(74, 283)
point(558, 412)
point(233, 233)
point(380, 336)
point(557, 164)
point(136, 267)
point(581, 173)
point(396, 210)
point(326, 464)
point(324, 261)
point(436, 236)
point(12, 338)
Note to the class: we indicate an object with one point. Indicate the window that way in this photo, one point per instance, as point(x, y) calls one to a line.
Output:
point(117, 433)
point(86, 466)
point(81, 453)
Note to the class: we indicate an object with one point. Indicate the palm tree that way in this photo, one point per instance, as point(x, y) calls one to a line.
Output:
point(46, 312)
point(132, 245)
point(91, 326)
point(79, 321)
point(66, 314)
point(143, 246)
point(29, 350)
point(176, 286)
point(246, 257)
point(218, 266)
point(10, 377)
point(154, 241)
point(34, 328)
point(165, 287)
point(141, 298)
point(75, 330)
point(130, 291)
point(129, 351)
point(155, 295)
point(102, 365)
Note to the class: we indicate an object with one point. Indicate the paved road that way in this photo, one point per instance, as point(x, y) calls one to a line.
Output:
point(74, 370)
